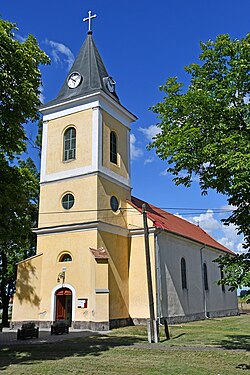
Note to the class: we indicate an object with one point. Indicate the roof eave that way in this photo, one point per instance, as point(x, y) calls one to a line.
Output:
point(45, 109)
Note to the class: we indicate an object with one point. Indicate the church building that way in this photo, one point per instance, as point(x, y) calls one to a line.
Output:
point(90, 266)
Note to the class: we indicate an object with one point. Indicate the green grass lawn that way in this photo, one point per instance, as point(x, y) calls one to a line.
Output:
point(211, 347)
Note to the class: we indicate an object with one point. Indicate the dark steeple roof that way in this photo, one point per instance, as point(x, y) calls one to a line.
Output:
point(94, 74)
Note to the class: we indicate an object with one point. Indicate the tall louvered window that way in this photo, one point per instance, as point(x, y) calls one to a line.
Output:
point(113, 148)
point(69, 152)
point(183, 274)
point(205, 276)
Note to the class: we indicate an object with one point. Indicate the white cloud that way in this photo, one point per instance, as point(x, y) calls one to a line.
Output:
point(135, 152)
point(20, 38)
point(230, 238)
point(148, 161)
point(150, 132)
point(226, 235)
point(41, 96)
point(61, 53)
point(164, 173)
point(182, 174)
point(206, 221)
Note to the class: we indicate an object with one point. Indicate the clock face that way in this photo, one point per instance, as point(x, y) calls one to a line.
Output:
point(111, 84)
point(74, 80)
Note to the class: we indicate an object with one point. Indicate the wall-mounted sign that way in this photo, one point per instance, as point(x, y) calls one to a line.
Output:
point(82, 303)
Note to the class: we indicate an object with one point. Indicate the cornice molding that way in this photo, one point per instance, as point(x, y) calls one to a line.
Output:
point(76, 227)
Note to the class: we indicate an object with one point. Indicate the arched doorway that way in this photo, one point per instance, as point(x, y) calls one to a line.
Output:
point(64, 305)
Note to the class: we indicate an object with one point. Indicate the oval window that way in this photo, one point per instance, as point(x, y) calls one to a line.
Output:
point(68, 201)
point(114, 203)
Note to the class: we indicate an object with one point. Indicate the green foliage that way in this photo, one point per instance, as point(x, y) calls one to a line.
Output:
point(18, 212)
point(20, 79)
point(237, 272)
point(205, 131)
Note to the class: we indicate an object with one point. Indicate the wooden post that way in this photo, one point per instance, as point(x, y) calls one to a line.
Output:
point(152, 336)
point(166, 329)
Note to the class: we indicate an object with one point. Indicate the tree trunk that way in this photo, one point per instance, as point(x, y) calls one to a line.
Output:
point(3, 290)
point(5, 304)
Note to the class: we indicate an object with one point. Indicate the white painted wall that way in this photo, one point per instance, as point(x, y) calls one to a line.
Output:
point(193, 301)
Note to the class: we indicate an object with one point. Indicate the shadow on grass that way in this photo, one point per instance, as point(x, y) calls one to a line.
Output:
point(176, 337)
point(92, 345)
point(236, 342)
point(243, 366)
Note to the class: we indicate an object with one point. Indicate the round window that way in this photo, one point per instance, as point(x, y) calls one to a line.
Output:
point(114, 203)
point(68, 201)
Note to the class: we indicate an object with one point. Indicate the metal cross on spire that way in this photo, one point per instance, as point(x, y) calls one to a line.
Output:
point(89, 18)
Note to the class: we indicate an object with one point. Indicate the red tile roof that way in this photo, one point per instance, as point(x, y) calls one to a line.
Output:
point(174, 224)
point(100, 253)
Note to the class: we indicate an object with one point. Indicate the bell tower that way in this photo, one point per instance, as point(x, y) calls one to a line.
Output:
point(80, 271)
point(85, 167)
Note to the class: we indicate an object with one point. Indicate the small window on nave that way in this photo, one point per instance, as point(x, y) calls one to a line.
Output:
point(222, 277)
point(205, 278)
point(183, 274)
point(69, 144)
point(113, 147)
point(66, 257)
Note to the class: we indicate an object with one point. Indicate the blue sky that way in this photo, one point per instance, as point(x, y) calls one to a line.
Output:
point(142, 44)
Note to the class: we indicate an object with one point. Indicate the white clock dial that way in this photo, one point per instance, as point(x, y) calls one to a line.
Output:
point(111, 84)
point(74, 80)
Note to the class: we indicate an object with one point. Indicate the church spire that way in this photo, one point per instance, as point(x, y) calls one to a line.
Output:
point(88, 73)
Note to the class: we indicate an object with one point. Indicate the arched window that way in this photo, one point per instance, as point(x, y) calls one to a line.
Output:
point(113, 148)
point(205, 276)
point(69, 148)
point(66, 257)
point(222, 277)
point(183, 274)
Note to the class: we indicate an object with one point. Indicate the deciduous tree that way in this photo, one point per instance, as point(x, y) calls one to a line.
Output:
point(205, 131)
point(20, 80)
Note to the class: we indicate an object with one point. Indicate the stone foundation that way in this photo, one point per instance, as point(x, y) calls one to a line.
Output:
point(116, 323)
point(200, 316)
point(189, 318)
point(91, 326)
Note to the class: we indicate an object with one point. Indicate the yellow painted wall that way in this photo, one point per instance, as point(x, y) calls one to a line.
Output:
point(111, 124)
point(106, 189)
point(135, 218)
point(118, 248)
point(93, 193)
point(84, 191)
point(27, 298)
point(82, 121)
point(80, 272)
point(138, 290)
point(101, 283)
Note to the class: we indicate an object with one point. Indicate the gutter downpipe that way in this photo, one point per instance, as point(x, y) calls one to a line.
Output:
point(203, 284)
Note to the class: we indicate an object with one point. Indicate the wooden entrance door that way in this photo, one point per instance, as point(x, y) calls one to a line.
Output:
point(64, 305)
